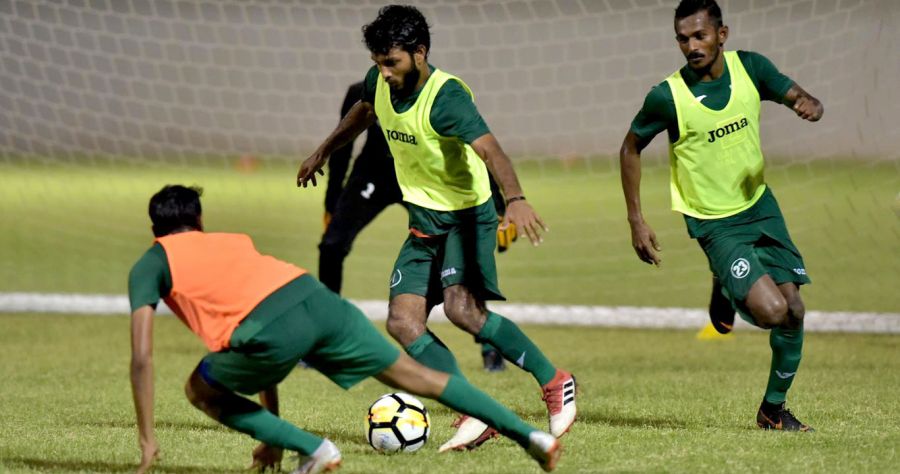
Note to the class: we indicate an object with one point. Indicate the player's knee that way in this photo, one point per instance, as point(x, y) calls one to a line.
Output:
point(402, 328)
point(192, 394)
point(771, 313)
point(394, 326)
point(796, 313)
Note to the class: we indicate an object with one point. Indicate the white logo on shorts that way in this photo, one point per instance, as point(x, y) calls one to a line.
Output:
point(800, 271)
point(740, 268)
point(396, 277)
point(448, 272)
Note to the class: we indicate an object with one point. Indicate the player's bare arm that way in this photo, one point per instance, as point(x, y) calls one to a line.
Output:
point(803, 104)
point(267, 457)
point(643, 239)
point(518, 211)
point(359, 118)
point(142, 383)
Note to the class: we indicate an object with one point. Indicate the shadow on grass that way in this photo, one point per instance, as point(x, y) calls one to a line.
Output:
point(100, 466)
point(618, 419)
point(343, 438)
point(175, 425)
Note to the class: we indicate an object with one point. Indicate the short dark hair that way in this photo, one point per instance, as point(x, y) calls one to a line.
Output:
point(401, 26)
point(175, 207)
point(689, 7)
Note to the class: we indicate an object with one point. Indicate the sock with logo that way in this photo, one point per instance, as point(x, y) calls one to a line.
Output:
point(787, 345)
point(461, 396)
point(252, 419)
point(516, 347)
point(431, 352)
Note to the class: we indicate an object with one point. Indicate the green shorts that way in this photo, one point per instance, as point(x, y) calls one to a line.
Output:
point(447, 248)
point(323, 329)
point(744, 247)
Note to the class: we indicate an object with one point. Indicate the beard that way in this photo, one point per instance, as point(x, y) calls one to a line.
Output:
point(410, 80)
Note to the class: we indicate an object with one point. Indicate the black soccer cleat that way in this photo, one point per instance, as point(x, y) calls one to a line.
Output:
point(777, 417)
point(493, 361)
point(721, 313)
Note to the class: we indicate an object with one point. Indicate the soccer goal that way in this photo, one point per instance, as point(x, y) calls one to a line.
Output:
point(104, 101)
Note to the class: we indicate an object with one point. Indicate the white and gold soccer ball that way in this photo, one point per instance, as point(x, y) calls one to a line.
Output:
point(397, 422)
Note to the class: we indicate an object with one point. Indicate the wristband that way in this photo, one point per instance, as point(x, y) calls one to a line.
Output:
point(514, 199)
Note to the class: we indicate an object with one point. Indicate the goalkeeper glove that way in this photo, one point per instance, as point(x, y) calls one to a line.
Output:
point(505, 237)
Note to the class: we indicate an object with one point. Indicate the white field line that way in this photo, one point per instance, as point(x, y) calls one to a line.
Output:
point(605, 316)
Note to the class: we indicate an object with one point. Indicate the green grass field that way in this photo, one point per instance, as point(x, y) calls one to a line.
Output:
point(650, 401)
point(79, 227)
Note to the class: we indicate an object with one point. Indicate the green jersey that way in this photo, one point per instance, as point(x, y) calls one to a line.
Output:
point(150, 280)
point(434, 171)
point(715, 157)
point(716, 163)
point(453, 115)
point(658, 111)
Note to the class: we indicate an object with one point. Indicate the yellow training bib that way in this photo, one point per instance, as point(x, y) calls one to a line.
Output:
point(435, 172)
point(716, 163)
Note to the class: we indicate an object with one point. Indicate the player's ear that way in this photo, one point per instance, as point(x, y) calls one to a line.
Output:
point(723, 35)
point(420, 55)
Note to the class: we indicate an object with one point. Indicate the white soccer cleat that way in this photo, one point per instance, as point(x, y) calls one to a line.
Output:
point(545, 449)
point(559, 394)
point(470, 434)
point(326, 458)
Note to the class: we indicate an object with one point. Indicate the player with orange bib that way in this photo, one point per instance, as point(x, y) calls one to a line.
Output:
point(258, 316)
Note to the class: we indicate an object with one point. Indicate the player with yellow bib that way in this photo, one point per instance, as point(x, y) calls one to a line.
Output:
point(711, 110)
point(443, 152)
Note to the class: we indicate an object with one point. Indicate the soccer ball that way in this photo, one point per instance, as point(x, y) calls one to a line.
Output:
point(397, 422)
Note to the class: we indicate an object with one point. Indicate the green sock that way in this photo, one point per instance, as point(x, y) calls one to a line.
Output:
point(787, 345)
point(431, 352)
point(252, 419)
point(461, 396)
point(516, 347)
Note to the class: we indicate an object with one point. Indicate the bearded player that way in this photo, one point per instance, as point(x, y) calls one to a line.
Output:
point(443, 151)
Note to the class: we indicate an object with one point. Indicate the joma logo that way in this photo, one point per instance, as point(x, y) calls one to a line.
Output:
point(726, 130)
point(400, 137)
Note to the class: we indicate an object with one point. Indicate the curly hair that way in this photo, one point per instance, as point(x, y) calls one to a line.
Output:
point(401, 26)
point(687, 8)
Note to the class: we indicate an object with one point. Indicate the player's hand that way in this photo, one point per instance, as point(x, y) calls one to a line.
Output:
point(506, 236)
point(643, 239)
point(808, 108)
point(326, 221)
point(149, 454)
point(522, 216)
point(309, 168)
point(266, 457)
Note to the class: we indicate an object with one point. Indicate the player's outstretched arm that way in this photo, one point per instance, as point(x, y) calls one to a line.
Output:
point(142, 383)
point(359, 118)
point(643, 239)
point(803, 104)
point(518, 211)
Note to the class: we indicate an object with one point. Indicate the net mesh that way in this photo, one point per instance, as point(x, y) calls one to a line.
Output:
point(103, 101)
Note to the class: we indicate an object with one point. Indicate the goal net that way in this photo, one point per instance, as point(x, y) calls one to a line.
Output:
point(104, 101)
